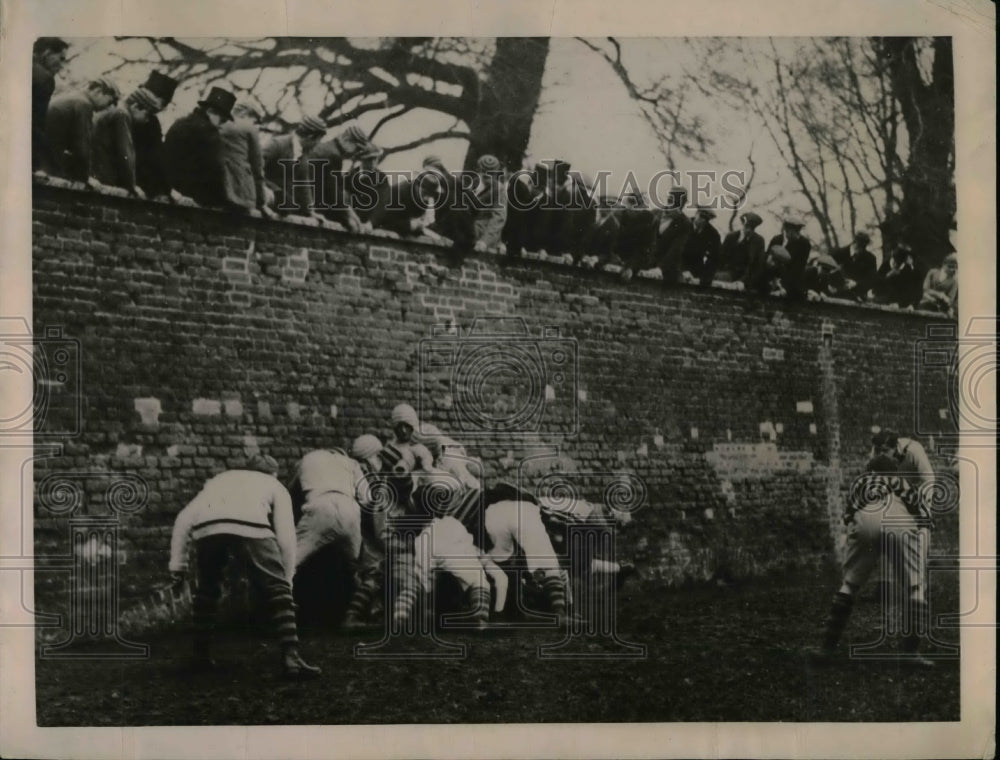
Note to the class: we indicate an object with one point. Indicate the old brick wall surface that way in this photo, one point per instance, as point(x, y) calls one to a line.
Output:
point(203, 336)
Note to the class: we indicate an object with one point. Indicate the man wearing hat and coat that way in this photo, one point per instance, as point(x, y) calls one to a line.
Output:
point(289, 172)
point(490, 213)
point(48, 58)
point(69, 128)
point(246, 512)
point(858, 267)
point(333, 196)
point(147, 138)
point(701, 251)
point(672, 235)
point(740, 250)
point(798, 248)
point(192, 151)
point(113, 153)
point(242, 161)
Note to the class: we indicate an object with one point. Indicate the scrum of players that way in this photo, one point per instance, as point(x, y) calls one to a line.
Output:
point(412, 500)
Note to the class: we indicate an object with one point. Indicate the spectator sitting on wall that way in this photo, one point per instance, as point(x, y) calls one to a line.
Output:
point(558, 222)
point(601, 245)
point(453, 216)
point(701, 253)
point(69, 128)
point(147, 138)
point(48, 58)
point(113, 149)
point(637, 232)
point(523, 197)
point(289, 173)
point(941, 287)
point(897, 282)
point(824, 279)
point(365, 185)
point(341, 157)
point(798, 247)
point(740, 250)
point(192, 151)
point(859, 267)
point(408, 208)
point(672, 235)
point(490, 213)
point(242, 160)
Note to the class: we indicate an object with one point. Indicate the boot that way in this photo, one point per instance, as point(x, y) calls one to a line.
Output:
point(297, 669)
point(916, 614)
point(836, 621)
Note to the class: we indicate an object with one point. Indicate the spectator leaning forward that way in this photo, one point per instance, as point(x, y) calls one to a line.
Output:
point(48, 58)
point(742, 251)
point(897, 282)
point(797, 247)
point(147, 138)
point(242, 161)
point(192, 151)
point(69, 128)
point(700, 258)
point(113, 149)
point(289, 173)
point(859, 267)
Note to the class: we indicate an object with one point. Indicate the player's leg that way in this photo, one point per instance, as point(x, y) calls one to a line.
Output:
point(863, 547)
point(540, 556)
point(912, 556)
point(268, 573)
point(212, 554)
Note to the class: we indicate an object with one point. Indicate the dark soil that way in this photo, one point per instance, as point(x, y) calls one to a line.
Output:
point(713, 653)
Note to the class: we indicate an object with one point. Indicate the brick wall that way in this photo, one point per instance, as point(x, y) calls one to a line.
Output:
point(203, 336)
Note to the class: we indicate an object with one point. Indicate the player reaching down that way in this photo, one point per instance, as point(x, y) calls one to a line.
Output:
point(882, 513)
point(249, 513)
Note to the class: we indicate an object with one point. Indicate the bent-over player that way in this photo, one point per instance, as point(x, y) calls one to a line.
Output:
point(246, 512)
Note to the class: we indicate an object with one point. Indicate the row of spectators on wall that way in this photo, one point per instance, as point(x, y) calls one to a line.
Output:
point(216, 156)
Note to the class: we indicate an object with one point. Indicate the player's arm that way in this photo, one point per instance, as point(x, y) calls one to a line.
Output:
point(178, 539)
point(284, 528)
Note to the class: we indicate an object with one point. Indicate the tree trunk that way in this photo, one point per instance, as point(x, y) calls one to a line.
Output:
point(927, 209)
point(508, 100)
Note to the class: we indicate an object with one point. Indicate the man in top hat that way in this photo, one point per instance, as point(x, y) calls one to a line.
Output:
point(147, 138)
point(69, 128)
point(192, 151)
point(858, 264)
point(114, 154)
point(672, 235)
point(700, 258)
point(742, 252)
point(288, 171)
point(48, 58)
point(242, 160)
point(246, 512)
point(798, 247)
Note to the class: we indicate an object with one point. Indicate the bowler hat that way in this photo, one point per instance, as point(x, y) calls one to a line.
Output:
point(752, 219)
point(161, 86)
point(705, 212)
point(862, 237)
point(219, 100)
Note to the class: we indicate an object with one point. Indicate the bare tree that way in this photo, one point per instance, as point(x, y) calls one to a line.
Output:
point(662, 99)
point(489, 86)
